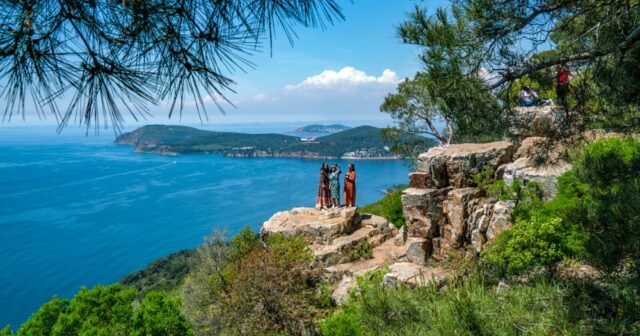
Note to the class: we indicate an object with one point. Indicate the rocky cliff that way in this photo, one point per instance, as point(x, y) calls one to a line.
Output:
point(443, 209)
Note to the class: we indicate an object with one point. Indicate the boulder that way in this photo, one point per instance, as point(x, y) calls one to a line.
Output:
point(455, 164)
point(479, 221)
point(320, 226)
point(413, 274)
point(457, 208)
point(525, 170)
point(341, 293)
point(422, 210)
point(338, 250)
point(500, 220)
point(420, 180)
point(535, 120)
point(418, 250)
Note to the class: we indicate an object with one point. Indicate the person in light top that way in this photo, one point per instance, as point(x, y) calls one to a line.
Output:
point(528, 96)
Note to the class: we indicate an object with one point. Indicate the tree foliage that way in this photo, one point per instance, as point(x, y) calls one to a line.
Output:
point(108, 310)
point(475, 52)
point(607, 187)
point(109, 58)
point(251, 287)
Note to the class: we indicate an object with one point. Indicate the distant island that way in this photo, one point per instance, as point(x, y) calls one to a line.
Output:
point(321, 129)
point(363, 142)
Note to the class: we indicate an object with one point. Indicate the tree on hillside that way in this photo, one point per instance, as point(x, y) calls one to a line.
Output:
point(475, 51)
point(108, 58)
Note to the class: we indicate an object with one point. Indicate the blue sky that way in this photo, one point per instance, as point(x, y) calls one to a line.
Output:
point(341, 73)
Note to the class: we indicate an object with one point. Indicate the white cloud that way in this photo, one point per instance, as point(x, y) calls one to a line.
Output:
point(263, 98)
point(345, 77)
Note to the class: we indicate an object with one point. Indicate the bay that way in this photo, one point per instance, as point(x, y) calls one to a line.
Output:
point(79, 211)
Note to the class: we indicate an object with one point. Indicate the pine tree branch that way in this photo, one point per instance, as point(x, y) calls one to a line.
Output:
point(632, 39)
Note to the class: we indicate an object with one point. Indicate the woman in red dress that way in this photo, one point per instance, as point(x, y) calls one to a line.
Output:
point(323, 200)
point(350, 186)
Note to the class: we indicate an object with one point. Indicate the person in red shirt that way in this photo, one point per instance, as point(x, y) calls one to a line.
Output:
point(563, 77)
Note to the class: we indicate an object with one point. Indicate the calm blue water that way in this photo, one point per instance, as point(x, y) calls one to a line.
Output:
point(80, 211)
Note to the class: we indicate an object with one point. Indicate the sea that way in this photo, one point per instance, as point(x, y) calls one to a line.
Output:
point(77, 210)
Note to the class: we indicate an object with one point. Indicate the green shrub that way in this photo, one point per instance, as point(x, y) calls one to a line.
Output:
point(343, 323)
point(159, 315)
point(596, 214)
point(107, 310)
point(470, 307)
point(256, 288)
point(363, 251)
point(606, 185)
point(389, 207)
point(6, 331)
point(42, 322)
point(538, 241)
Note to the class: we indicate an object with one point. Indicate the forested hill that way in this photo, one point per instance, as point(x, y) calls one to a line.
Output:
point(358, 142)
point(321, 129)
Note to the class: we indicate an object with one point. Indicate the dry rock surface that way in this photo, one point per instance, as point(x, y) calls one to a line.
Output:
point(347, 244)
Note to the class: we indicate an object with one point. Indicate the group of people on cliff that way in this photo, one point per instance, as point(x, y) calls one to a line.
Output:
point(329, 186)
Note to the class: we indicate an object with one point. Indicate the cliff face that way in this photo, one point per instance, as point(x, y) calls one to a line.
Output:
point(443, 206)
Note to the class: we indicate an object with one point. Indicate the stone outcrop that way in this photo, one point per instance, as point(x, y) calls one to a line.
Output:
point(454, 165)
point(535, 120)
point(444, 209)
point(413, 274)
point(320, 226)
point(338, 237)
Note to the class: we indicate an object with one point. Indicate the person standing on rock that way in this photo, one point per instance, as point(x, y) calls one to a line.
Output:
point(323, 200)
point(563, 77)
point(334, 184)
point(350, 186)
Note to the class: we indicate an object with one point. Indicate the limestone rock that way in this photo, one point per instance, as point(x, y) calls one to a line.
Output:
point(535, 120)
point(401, 236)
point(523, 169)
point(420, 180)
point(341, 293)
point(413, 274)
point(454, 164)
point(422, 210)
point(337, 251)
point(383, 256)
point(457, 207)
point(479, 221)
point(320, 226)
point(418, 250)
point(500, 220)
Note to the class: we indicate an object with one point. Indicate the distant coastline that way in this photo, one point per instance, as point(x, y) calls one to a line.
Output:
point(358, 143)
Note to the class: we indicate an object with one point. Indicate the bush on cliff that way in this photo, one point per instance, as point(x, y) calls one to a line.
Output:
point(468, 307)
point(109, 310)
point(389, 207)
point(255, 288)
point(606, 182)
point(596, 215)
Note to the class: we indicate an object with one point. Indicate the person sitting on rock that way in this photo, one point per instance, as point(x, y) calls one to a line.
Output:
point(528, 96)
